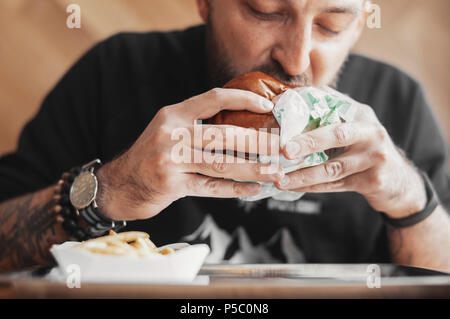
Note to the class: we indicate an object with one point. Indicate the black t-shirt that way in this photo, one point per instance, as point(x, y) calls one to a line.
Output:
point(104, 102)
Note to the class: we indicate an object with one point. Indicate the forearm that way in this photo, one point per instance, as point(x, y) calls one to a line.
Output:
point(28, 228)
point(426, 244)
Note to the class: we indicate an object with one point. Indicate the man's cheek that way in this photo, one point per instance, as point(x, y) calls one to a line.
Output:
point(249, 54)
point(325, 65)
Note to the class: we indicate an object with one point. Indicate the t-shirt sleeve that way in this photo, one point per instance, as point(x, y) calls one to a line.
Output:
point(62, 135)
point(426, 145)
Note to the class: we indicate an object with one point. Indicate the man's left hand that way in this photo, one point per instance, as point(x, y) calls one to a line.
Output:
point(370, 164)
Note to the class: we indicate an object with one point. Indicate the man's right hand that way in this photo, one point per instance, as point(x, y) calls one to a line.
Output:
point(144, 180)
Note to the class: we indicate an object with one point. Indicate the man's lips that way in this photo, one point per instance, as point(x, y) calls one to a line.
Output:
point(293, 84)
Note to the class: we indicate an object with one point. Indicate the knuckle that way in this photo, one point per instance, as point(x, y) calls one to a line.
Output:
point(164, 113)
point(308, 142)
point(342, 135)
point(299, 179)
point(380, 155)
point(334, 169)
point(237, 189)
point(214, 96)
point(219, 166)
point(215, 93)
point(194, 184)
point(212, 185)
point(381, 133)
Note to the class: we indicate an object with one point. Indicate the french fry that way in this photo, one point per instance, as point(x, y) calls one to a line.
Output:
point(132, 243)
point(166, 251)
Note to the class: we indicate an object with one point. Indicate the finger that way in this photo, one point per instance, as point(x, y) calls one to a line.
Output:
point(334, 170)
point(332, 187)
point(324, 138)
point(231, 167)
point(228, 137)
point(208, 104)
point(353, 183)
point(203, 186)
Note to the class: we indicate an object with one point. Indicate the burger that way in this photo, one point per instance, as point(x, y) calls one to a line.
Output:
point(269, 88)
point(304, 109)
point(261, 84)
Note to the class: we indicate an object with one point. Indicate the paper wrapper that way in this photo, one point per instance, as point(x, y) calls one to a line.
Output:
point(302, 110)
point(178, 267)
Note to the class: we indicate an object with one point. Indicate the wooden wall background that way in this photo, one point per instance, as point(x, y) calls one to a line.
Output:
point(36, 47)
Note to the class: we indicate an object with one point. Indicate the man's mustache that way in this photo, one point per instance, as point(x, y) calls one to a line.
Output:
point(275, 70)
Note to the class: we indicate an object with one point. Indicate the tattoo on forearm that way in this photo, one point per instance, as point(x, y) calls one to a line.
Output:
point(28, 228)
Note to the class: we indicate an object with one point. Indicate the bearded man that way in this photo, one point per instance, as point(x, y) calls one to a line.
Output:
point(383, 199)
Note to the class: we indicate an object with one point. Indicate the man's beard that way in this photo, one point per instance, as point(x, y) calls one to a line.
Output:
point(220, 69)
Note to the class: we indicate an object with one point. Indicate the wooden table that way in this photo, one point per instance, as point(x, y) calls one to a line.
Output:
point(250, 281)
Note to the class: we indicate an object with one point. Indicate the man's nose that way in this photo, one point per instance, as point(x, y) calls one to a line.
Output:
point(293, 50)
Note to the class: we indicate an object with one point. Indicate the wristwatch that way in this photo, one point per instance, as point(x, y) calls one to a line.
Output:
point(82, 196)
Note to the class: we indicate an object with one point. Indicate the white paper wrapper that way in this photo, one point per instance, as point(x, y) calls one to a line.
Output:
point(296, 111)
point(292, 114)
point(181, 266)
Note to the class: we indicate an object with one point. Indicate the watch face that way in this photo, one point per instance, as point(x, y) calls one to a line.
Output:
point(83, 190)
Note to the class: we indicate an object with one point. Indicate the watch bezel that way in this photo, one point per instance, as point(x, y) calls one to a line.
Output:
point(83, 203)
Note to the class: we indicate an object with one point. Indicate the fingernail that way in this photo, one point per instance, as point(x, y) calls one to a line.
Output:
point(292, 148)
point(285, 181)
point(267, 104)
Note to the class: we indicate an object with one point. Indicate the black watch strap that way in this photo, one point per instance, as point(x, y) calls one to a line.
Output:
point(430, 207)
point(98, 222)
point(87, 222)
